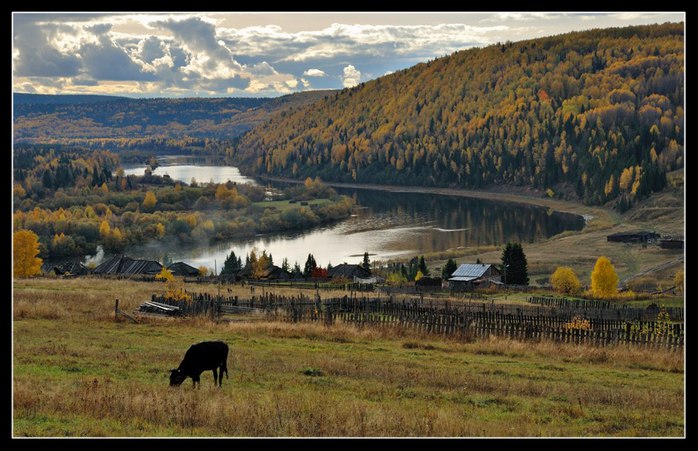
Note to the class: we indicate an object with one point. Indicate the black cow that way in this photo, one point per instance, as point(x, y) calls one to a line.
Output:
point(204, 356)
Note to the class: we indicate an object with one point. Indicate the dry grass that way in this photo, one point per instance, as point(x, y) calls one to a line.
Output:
point(99, 377)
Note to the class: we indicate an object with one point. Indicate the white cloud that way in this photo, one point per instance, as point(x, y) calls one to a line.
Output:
point(314, 73)
point(350, 76)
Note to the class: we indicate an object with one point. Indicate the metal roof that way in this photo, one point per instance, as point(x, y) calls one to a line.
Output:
point(470, 270)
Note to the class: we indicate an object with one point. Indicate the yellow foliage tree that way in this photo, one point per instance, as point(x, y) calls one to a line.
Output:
point(679, 281)
point(604, 280)
point(418, 276)
point(149, 201)
point(104, 229)
point(165, 275)
point(25, 248)
point(564, 280)
point(203, 271)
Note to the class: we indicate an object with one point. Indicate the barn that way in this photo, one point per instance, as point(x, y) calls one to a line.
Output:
point(471, 275)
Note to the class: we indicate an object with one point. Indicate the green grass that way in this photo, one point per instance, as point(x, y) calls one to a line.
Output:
point(80, 373)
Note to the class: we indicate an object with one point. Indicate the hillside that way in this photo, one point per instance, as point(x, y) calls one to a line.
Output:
point(54, 118)
point(594, 115)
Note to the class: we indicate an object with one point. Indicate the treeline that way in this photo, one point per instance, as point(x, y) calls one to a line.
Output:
point(597, 115)
point(76, 200)
point(115, 119)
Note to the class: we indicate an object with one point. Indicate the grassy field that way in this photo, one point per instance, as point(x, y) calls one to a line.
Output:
point(77, 372)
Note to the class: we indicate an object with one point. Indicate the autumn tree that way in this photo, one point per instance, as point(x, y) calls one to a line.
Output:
point(679, 281)
point(25, 249)
point(564, 280)
point(165, 275)
point(604, 280)
point(149, 201)
point(203, 271)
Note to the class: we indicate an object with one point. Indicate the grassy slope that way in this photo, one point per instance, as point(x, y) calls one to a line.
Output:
point(98, 377)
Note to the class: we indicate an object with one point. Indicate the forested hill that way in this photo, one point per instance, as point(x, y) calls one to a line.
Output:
point(19, 98)
point(39, 119)
point(596, 114)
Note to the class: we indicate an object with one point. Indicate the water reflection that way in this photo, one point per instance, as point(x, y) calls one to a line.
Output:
point(389, 225)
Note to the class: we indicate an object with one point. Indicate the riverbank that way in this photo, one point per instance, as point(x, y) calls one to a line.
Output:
point(662, 212)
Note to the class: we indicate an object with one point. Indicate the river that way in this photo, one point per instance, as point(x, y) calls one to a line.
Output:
point(386, 225)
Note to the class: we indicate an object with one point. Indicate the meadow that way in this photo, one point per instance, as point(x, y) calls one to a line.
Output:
point(79, 373)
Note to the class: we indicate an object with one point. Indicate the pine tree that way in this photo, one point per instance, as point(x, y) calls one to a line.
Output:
point(448, 269)
point(310, 265)
point(514, 265)
point(231, 265)
point(366, 264)
point(423, 266)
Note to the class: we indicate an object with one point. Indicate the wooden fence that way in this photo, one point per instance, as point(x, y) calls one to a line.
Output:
point(619, 309)
point(465, 320)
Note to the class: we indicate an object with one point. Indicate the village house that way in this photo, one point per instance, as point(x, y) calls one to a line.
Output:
point(471, 275)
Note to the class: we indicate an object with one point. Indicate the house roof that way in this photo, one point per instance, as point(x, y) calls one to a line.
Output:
point(120, 264)
point(347, 271)
point(471, 270)
point(181, 268)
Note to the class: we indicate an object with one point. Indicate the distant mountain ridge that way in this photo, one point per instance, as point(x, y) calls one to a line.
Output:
point(20, 98)
point(43, 118)
point(595, 115)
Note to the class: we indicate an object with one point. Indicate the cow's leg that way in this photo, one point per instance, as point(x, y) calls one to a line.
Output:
point(215, 376)
point(196, 380)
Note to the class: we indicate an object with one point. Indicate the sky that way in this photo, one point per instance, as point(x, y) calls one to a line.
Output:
point(246, 54)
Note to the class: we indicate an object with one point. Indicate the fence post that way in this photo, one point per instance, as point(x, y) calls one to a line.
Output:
point(116, 309)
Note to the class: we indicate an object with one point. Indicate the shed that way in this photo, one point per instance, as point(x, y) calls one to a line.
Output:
point(468, 275)
point(639, 236)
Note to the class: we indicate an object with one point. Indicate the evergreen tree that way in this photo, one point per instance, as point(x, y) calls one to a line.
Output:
point(285, 265)
point(366, 264)
point(232, 264)
point(423, 266)
point(297, 273)
point(448, 269)
point(514, 265)
point(310, 265)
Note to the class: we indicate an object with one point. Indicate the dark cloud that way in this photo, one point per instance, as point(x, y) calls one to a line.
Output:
point(152, 49)
point(37, 58)
point(105, 61)
point(180, 57)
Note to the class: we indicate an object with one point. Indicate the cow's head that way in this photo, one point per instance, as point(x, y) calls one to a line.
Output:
point(176, 377)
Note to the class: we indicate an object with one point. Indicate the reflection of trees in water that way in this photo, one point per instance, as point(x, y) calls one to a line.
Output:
point(487, 222)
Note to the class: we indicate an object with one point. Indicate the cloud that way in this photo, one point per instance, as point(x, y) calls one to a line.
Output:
point(106, 61)
point(151, 49)
point(36, 57)
point(314, 73)
point(350, 76)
